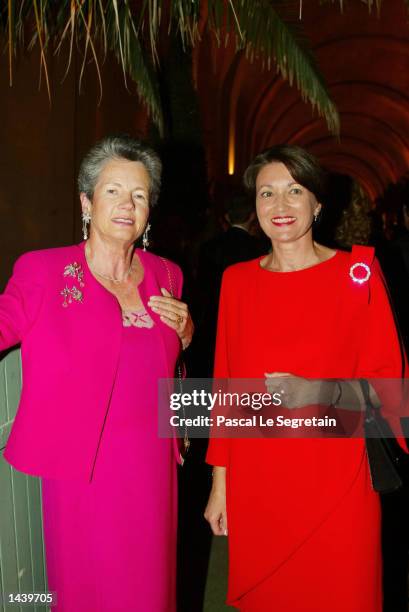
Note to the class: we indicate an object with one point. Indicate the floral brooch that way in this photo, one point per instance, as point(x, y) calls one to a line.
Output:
point(75, 271)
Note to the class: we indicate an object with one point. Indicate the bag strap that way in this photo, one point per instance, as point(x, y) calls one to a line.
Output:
point(180, 367)
point(171, 288)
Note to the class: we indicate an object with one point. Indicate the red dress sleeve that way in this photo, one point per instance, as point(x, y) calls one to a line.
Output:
point(382, 354)
point(218, 450)
point(383, 357)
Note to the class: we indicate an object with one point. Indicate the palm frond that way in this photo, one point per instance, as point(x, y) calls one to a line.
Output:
point(68, 28)
point(90, 25)
point(133, 59)
point(370, 3)
point(89, 43)
point(10, 39)
point(39, 20)
point(263, 33)
point(133, 30)
point(374, 4)
point(260, 29)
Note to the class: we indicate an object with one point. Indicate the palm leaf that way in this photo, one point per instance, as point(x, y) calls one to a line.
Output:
point(94, 25)
point(10, 39)
point(42, 29)
point(264, 33)
point(265, 29)
point(132, 57)
point(371, 4)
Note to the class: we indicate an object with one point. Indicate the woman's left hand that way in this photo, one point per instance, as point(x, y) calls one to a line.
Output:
point(298, 392)
point(174, 313)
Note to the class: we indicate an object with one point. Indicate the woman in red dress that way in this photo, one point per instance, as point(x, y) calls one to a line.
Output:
point(303, 519)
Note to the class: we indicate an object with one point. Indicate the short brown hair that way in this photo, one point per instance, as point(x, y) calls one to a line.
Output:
point(303, 167)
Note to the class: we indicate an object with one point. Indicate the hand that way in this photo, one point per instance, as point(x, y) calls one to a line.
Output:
point(215, 512)
point(297, 392)
point(174, 313)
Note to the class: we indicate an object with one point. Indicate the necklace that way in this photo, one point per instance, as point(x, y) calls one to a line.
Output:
point(111, 278)
point(105, 276)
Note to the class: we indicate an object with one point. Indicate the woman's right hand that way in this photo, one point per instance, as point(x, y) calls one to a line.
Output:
point(215, 512)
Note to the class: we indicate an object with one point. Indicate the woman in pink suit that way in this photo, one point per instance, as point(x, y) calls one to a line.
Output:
point(98, 326)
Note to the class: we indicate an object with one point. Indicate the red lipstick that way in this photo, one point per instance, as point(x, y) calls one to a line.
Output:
point(282, 221)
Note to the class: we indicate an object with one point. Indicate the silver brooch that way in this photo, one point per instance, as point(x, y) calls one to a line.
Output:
point(71, 294)
point(75, 270)
point(358, 279)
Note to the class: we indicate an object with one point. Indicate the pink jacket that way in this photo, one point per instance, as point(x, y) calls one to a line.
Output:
point(70, 356)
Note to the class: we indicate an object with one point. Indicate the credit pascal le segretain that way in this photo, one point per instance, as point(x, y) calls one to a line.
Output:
point(256, 401)
point(257, 420)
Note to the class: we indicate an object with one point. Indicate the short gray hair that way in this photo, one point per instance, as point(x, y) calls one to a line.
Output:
point(119, 147)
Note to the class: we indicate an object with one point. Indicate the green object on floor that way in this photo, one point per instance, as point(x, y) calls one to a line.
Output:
point(216, 587)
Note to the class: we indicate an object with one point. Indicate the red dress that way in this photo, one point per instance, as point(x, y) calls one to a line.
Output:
point(303, 520)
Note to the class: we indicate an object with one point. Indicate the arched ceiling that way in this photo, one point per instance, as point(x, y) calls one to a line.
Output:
point(365, 61)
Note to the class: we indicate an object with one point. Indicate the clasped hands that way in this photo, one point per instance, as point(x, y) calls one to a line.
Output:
point(175, 314)
point(297, 392)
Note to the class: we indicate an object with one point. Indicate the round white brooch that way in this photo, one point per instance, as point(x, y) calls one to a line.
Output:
point(360, 279)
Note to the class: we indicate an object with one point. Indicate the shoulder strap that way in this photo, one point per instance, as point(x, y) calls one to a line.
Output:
point(365, 254)
point(360, 270)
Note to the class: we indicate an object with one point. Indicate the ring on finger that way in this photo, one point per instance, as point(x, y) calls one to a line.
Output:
point(180, 320)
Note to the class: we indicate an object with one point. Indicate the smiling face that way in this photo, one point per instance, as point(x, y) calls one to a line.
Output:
point(285, 209)
point(120, 205)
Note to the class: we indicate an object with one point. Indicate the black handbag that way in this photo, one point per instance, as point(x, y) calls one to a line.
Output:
point(388, 462)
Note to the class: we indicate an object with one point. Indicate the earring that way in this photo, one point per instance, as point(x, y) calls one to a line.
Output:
point(86, 218)
point(145, 237)
point(316, 216)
